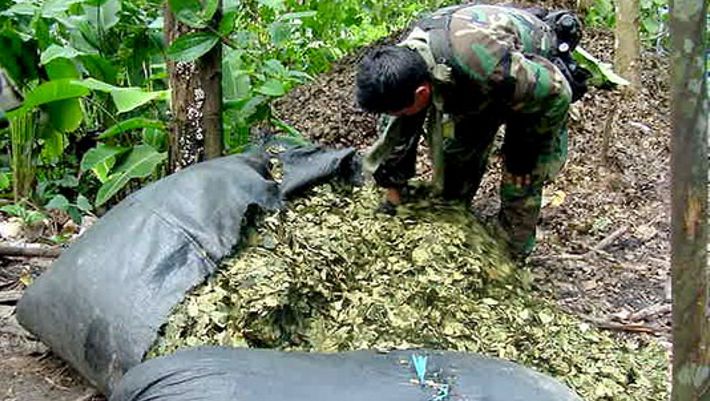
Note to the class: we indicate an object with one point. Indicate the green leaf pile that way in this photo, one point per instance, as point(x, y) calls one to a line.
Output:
point(329, 274)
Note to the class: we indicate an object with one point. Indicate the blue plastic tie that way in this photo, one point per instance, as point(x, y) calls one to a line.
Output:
point(419, 362)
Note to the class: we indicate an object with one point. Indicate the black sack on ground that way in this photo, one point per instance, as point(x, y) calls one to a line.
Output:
point(308, 167)
point(101, 304)
point(218, 374)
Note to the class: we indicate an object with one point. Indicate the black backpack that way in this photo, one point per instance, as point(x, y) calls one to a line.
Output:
point(568, 31)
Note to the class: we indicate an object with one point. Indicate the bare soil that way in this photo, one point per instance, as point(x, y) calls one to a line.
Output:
point(28, 369)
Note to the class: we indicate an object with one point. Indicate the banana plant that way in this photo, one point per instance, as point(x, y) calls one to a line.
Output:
point(52, 47)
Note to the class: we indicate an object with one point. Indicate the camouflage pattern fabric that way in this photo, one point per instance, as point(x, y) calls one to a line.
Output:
point(504, 78)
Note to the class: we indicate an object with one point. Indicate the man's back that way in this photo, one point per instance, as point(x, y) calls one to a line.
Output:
point(482, 43)
point(482, 36)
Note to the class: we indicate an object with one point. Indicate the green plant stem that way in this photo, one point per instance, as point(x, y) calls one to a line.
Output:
point(101, 107)
point(23, 131)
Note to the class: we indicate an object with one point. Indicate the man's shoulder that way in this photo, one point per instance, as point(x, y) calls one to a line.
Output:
point(480, 37)
point(491, 17)
point(483, 35)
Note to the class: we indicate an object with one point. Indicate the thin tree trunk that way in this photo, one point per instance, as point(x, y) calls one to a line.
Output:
point(690, 271)
point(628, 43)
point(23, 132)
point(196, 92)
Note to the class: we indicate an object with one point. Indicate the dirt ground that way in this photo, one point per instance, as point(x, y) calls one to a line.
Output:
point(28, 369)
point(603, 249)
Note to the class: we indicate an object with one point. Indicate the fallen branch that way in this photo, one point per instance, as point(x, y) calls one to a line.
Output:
point(10, 296)
point(35, 252)
point(561, 256)
point(88, 396)
point(633, 327)
point(650, 312)
point(596, 249)
point(609, 239)
point(55, 384)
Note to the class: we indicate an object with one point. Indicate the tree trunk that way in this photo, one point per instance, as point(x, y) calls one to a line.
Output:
point(690, 271)
point(196, 93)
point(628, 43)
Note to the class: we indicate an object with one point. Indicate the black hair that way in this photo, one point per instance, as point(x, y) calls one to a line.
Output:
point(388, 77)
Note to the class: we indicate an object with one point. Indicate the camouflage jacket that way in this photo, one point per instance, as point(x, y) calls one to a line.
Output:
point(492, 59)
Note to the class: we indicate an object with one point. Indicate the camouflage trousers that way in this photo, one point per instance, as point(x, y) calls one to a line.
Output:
point(466, 157)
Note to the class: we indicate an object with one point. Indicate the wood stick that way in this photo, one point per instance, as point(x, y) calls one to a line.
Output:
point(650, 312)
point(609, 325)
point(609, 239)
point(598, 248)
point(10, 296)
point(37, 252)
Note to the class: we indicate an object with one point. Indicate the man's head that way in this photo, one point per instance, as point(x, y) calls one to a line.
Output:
point(393, 80)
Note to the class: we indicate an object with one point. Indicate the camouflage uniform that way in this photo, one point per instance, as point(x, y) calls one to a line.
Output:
point(489, 67)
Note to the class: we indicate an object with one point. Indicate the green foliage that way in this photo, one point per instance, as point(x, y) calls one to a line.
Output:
point(5, 181)
point(28, 216)
point(115, 166)
point(81, 64)
point(277, 44)
point(23, 132)
point(124, 99)
point(193, 13)
point(601, 14)
point(192, 46)
point(73, 209)
point(94, 70)
point(603, 75)
point(140, 163)
point(653, 20)
point(101, 159)
point(48, 92)
point(130, 125)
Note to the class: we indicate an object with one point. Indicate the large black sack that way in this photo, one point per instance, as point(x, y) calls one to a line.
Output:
point(219, 374)
point(101, 304)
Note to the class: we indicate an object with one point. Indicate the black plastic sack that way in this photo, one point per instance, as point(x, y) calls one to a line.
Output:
point(307, 167)
point(220, 374)
point(101, 304)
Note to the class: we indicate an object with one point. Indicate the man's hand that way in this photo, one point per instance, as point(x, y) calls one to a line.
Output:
point(519, 181)
point(392, 199)
point(394, 196)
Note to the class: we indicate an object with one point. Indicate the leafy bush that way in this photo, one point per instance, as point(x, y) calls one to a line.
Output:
point(79, 64)
point(653, 23)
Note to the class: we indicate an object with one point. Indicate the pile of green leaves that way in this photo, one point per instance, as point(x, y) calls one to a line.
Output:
point(329, 274)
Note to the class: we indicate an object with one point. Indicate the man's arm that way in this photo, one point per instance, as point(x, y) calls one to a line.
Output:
point(539, 104)
point(392, 159)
